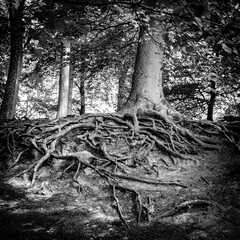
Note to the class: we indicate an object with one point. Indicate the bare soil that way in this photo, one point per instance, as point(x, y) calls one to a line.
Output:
point(205, 204)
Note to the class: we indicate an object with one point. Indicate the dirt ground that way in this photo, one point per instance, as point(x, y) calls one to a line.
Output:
point(205, 205)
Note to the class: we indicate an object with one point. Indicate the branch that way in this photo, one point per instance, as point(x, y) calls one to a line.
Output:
point(96, 3)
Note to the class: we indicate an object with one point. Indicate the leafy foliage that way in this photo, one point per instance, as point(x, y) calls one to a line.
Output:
point(201, 37)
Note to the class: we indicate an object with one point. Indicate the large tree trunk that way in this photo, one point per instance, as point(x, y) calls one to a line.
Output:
point(64, 80)
point(9, 102)
point(147, 90)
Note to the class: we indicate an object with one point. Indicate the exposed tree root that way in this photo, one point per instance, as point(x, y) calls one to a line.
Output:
point(119, 207)
point(197, 202)
point(188, 204)
point(115, 147)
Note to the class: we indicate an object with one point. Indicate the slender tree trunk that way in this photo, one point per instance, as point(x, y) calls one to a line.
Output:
point(70, 95)
point(8, 107)
point(121, 86)
point(82, 84)
point(83, 96)
point(64, 80)
point(211, 101)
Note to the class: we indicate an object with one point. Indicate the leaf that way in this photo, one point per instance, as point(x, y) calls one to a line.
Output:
point(184, 50)
point(117, 8)
point(209, 39)
point(226, 48)
point(235, 51)
point(213, 76)
point(198, 22)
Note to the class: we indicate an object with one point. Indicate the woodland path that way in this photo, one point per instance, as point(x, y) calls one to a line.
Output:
point(199, 200)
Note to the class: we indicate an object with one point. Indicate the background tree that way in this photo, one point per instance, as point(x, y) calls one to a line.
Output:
point(64, 97)
point(17, 29)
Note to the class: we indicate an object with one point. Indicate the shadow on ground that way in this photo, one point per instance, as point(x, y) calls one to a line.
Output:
point(22, 218)
point(64, 216)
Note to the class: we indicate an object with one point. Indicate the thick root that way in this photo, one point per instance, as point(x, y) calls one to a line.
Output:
point(118, 148)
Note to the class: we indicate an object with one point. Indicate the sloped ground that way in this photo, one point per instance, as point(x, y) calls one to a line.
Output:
point(205, 204)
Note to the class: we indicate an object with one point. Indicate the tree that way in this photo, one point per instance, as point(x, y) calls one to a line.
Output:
point(15, 8)
point(64, 80)
point(147, 88)
point(123, 71)
point(119, 144)
point(70, 93)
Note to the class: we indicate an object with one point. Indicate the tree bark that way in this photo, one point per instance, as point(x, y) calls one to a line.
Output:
point(70, 95)
point(82, 83)
point(211, 101)
point(64, 80)
point(83, 96)
point(8, 107)
point(121, 85)
point(147, 90)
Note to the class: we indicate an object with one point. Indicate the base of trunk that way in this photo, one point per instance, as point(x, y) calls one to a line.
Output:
point(143, 105)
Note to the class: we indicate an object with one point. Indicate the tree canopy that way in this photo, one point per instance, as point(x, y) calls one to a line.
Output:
point(201, 41)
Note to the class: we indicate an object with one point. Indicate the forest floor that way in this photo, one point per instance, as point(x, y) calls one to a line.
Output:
point(62, 213)
point(205, 204)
